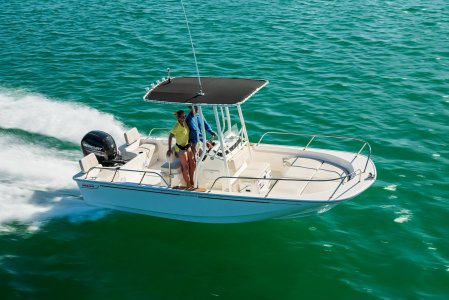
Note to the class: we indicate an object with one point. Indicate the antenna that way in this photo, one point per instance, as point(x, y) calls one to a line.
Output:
point(193, 49)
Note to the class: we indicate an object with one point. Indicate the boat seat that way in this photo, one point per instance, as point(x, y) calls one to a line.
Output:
point(143, 159)
point(88, 162)
point(129, 171)
point(260, 171)
point(175, 166)
point(172, 173)
point(132, 136)
point(150, 151)
point(135, 145)
point(302, 168)
point(132, 142)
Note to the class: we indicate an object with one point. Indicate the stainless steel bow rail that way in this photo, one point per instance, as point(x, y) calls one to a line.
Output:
point(313, 136)
point(341, 178)
point(116, 169)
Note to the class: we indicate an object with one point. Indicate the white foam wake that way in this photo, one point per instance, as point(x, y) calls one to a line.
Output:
point(36, 184)
point(63, 120)
point(35, 181)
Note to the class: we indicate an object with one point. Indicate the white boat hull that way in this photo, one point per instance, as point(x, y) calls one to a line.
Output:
point(265, 181)
point(194, 206)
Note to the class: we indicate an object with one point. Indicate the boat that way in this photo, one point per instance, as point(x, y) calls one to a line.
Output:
point(238, 179)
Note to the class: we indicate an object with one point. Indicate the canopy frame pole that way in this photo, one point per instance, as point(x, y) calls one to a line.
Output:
point(197, 127)
point(223, 151)
point(203, 133)
point(245, 133)
point(223, 120)
point(228, 117)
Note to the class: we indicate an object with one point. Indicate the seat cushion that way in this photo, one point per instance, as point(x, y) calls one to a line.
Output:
point(88, 162)
point(131, 136)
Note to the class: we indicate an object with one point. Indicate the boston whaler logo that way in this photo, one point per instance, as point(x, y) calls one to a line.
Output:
point(89, 186)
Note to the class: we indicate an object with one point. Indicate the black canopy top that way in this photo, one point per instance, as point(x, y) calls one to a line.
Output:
point(227, 91)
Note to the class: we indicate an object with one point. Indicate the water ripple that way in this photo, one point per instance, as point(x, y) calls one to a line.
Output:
point(375, 70)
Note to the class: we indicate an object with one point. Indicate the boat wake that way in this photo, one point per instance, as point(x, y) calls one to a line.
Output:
point(62, 120)
point(36, 179)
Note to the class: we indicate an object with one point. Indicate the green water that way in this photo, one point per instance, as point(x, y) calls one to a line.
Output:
point(376, 70)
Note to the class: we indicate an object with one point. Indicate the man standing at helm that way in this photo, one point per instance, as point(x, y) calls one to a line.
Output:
point(193, 120)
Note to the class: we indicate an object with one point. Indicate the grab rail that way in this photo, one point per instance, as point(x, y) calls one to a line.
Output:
point(127, 170)
point(158, 128)
point(365, 143)
point(341, 178)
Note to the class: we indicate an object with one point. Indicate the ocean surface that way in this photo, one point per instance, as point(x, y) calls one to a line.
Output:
point(376, 70)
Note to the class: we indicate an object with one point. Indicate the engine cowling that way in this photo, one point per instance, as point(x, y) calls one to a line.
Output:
point(102, 145)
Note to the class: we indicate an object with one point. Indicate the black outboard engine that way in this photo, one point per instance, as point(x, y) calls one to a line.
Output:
point(103, 146)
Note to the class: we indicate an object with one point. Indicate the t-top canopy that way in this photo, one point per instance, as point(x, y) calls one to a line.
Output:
point(216, 91)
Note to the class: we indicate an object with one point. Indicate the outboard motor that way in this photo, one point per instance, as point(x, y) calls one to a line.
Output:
point(103, 146)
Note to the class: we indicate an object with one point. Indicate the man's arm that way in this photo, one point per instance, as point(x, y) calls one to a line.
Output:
point(209, 128)
point(191, 122)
